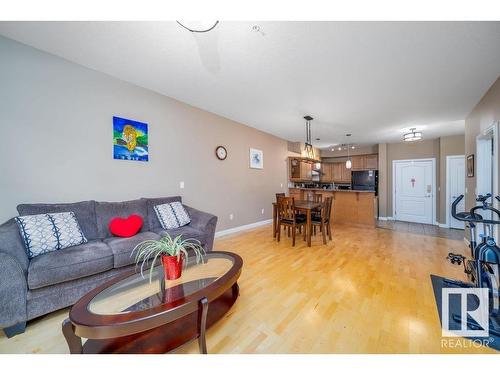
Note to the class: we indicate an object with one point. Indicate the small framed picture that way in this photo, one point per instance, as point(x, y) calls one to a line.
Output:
point(470, 165)
point(256, 159)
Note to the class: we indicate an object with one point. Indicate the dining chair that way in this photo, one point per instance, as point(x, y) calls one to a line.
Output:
point(288, 218)
point(278, 195)
point(323, 220)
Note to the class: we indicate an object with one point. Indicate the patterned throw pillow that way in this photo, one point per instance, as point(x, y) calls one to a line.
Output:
point(172, 215)
point(48, 232)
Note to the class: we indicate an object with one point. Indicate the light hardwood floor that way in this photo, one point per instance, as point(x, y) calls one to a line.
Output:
point(367, 291)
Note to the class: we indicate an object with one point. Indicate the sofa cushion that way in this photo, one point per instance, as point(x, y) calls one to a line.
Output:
point(105, 211)
point(172, 215)
point(69, 264)
point(186, 231)
point(48, 232)
point(84, 212)
point(153, 221)
point(122, 247)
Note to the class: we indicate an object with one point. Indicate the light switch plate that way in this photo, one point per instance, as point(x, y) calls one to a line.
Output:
point(181, 184)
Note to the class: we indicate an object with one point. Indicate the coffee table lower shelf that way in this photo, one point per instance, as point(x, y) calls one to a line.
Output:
point(162, 339)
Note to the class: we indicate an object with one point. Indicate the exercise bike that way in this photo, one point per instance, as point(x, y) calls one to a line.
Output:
point(483, 267)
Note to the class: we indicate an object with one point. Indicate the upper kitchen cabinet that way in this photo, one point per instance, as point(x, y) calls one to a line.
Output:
point(346, 174)
point(326, 172)
point(364, 162)
point(371, 162)
point(340, 173)
point(358, 162)
point(300, 170)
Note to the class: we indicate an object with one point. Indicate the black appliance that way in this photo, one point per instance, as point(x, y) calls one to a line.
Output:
point(364, 180)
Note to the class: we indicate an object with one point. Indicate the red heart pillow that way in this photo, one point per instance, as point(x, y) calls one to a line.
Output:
point(128, 227)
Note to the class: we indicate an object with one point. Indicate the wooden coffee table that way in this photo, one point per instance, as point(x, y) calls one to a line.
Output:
point(130, 315)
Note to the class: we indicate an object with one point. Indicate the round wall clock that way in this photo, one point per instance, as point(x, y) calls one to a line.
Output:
point(221, 152)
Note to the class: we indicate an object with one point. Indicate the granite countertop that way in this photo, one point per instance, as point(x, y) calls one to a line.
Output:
point(334, 190)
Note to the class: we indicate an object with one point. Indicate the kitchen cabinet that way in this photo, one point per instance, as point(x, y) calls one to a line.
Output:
point(300, 170)
point(358, 162)
point(364, 162)
point(306, 170)
point(295, 193)
point(337, 172)
point(340, 173)
point(346, 174)
point(371, 162)
point(326, 172)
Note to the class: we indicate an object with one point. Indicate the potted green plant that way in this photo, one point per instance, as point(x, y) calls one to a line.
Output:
point(172, 251)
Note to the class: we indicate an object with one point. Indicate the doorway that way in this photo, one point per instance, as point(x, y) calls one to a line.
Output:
point(487, 167)
point(414, 196)
point(455, 186)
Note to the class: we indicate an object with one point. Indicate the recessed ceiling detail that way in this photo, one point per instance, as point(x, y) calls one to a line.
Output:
point(370, 78)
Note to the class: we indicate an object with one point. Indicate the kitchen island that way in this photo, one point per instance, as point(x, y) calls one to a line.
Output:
point(351, 207)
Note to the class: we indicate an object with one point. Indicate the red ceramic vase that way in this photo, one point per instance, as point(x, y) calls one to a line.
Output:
point(171, 267)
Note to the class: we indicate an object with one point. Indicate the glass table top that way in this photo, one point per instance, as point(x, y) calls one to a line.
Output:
point(136, 293)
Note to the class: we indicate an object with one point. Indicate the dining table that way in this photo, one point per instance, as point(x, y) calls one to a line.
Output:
point(303, 206)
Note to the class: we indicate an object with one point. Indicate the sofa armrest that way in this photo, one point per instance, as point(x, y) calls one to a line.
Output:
point(13, 291)
point(204, 222)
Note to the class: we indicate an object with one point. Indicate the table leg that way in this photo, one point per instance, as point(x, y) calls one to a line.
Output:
point(309, 228)
point(202, 341)
point(236, 290)
point(275, 214)
point(74, 342)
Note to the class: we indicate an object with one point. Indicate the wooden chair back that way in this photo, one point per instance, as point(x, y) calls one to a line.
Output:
point(278, 195)
point(327, 208)
point(286, 208)
point(317, 198)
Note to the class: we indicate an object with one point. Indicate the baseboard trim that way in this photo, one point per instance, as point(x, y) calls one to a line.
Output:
point(386, 218)
point(443, 225)
point(242, 228)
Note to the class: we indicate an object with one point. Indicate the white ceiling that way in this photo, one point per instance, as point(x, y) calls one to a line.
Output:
point(371, 79)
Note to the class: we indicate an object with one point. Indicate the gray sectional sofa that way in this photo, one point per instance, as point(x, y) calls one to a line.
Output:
point(48, 282)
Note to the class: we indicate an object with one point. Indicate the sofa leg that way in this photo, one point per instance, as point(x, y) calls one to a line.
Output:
point(14, 330)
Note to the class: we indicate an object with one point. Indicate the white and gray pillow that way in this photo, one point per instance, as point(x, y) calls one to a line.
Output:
point(172, 215)
point(49, 232)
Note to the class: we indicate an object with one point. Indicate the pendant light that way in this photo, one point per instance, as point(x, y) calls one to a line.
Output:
point(412, 136)
point(348, 163)
point(308, 149)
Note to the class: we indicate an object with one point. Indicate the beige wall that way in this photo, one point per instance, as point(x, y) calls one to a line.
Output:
point(56, 122)
point(452, 145)
point(484, 114)
point(382, 180)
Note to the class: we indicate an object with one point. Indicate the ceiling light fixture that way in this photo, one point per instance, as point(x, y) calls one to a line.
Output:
point(308, 149)
point(412, 136)
point(198, 26)
point(348, 163)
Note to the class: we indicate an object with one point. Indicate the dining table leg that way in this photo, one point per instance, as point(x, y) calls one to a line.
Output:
point(309, 227)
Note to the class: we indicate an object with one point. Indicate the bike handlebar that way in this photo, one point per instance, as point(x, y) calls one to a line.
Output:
point(471, 216)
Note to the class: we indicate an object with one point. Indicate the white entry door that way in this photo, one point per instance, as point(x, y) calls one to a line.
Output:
point(414, 191)
point(455, 170)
